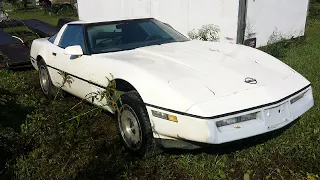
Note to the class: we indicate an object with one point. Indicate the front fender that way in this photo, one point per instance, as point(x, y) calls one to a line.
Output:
point(39, 48)
point(178, 94)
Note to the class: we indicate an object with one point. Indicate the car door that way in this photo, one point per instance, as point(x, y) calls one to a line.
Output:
point(99, 37)
point(70, 72)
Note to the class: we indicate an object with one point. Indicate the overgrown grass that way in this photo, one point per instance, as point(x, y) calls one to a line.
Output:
point(314, 9)
point(38, 13)
point(39, 141)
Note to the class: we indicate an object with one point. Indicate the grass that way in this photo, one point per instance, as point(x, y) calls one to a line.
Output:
point(36, 13)
point(38, 140)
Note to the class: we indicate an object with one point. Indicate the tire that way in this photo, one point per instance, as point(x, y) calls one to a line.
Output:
point(134, 126)
point(45, 79)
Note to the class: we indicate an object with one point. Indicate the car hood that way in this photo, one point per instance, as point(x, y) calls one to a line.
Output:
point(220, 67)
point(183, 74)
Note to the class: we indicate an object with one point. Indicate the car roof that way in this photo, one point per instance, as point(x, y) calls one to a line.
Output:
point(79, 22)
point(102, 22)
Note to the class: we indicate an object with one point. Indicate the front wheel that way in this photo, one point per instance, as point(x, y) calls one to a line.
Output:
point(134, 126)
point(45, 80)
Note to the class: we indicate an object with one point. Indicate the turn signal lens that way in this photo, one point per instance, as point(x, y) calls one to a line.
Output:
point(235, 120)
point(297, 98)
point(164, 116)
point(172, 118)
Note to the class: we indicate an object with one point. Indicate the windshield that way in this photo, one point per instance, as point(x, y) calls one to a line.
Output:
point(131, 34)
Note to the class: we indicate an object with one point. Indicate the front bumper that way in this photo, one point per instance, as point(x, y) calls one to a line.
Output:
point(204, 130)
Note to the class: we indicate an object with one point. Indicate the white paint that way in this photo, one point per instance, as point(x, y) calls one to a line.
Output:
point(206, 131)
point(74, 51)
point(199, 78)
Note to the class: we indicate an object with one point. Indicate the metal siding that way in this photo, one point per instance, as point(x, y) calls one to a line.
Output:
point(285, 16)
point(179, 20)
point(183, 15)
point(222, 13)
point(262, 17)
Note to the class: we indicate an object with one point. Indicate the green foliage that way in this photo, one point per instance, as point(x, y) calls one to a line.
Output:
point(278, 44)
point(72, 138)
point(68, 139)
point(63, 9)
point(314, 2)
point(69, 145)
point(206, 33)
point(111, 95)
point(16, 9)
point(3, 61)
point(3, 99)
point(42, 15)
point(19, 4)
point(314, 10)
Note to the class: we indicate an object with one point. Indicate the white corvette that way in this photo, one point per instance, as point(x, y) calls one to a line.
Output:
point(177, 91)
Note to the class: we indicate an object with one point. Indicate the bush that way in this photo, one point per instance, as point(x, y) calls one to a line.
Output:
point(278, 44)
point(62, 9)
point(64, 141)
point(314, 11)
point(206, 33)
point(60, 149)
point(3, 100)
point(19, 4)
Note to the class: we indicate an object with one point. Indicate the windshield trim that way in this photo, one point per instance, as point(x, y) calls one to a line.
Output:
point(89, 25)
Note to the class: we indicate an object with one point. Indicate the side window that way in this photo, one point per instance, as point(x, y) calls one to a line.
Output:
point(104, 36)
point(73, 35)
point(52, 38)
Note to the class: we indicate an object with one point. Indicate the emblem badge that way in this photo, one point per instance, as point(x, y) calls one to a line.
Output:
point(250, 80)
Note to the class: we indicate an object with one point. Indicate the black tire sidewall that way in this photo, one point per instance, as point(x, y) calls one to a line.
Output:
point(133, 100)
point(49, 94)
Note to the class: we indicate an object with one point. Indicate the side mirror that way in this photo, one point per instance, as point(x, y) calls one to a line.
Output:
point(73, 50)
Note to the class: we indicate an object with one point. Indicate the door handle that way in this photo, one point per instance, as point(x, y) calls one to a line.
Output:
point(54, 54)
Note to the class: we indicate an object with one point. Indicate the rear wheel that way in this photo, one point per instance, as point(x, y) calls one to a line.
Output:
point(45, 80)
point(134, 126)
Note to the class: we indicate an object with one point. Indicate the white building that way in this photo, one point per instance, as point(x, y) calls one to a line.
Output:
point(238, 20)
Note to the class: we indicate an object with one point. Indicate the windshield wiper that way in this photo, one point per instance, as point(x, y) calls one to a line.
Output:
point(165, 40)
point(117, 50)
